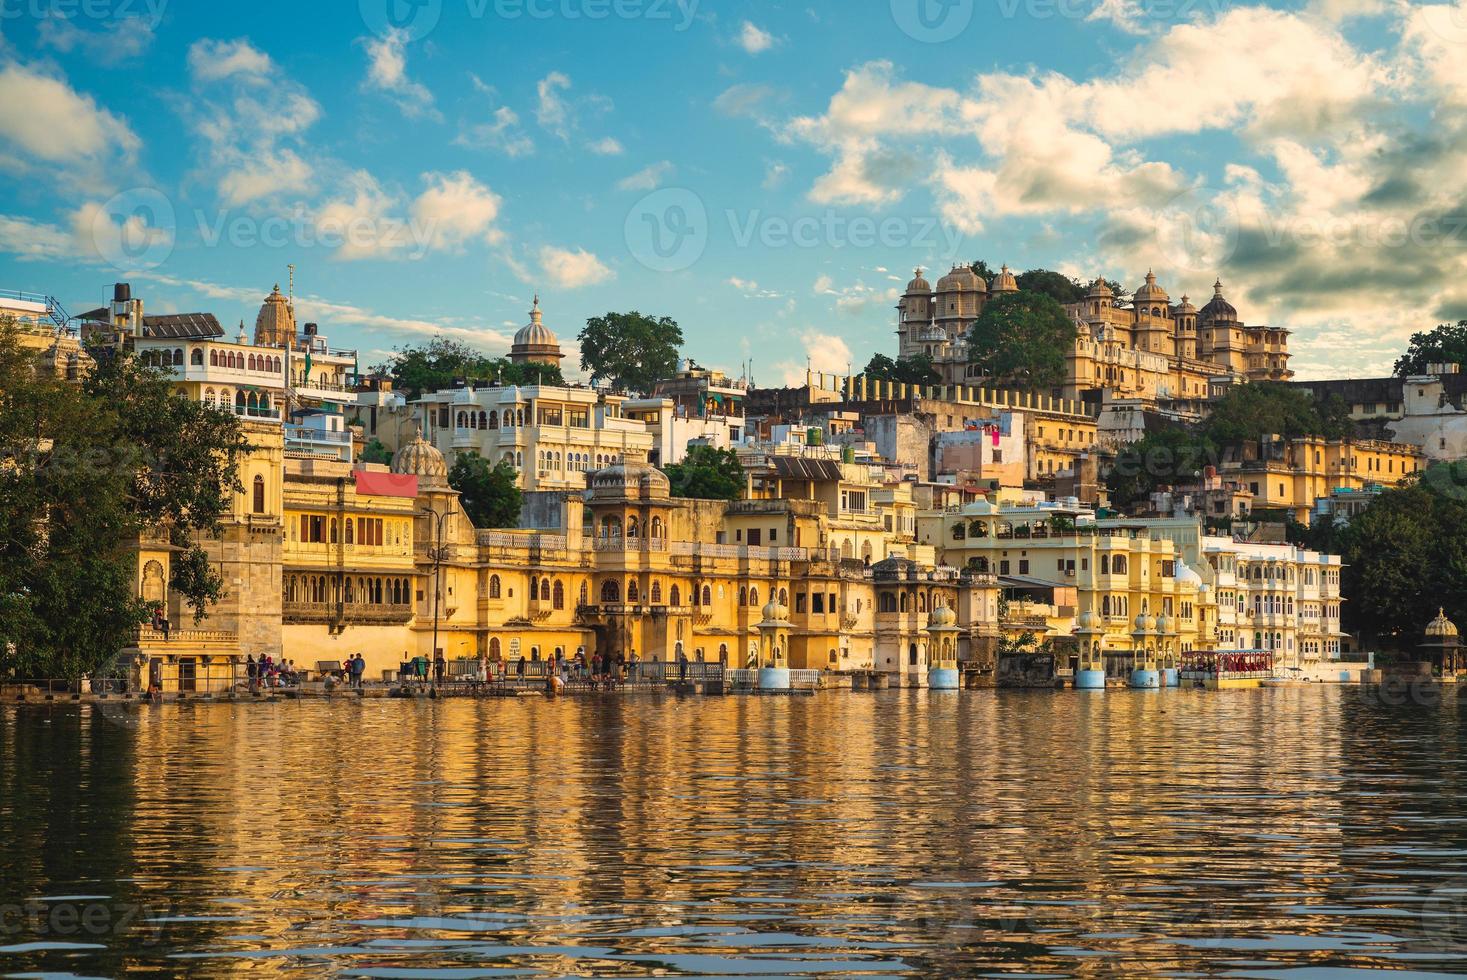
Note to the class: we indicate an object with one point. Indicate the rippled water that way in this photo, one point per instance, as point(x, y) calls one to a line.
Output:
point(1287, 833)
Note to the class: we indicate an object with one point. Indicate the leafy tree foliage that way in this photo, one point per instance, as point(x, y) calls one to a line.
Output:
point(490, 495)
point(707, 474)
point(85, 470)
point(441, 362)
point(984, 272)
point(1167, 457)
point(1021, 341)
point(376, 452)
point(916, 370)
point(1447, 344)
point(631, 351)
point(1057, 286)
point(1249, 412)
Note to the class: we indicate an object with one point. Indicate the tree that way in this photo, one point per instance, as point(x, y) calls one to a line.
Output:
point(1057, 286)
point(1021, 340)
point(85, 470)
point(707, 474)
point(490, 495)
point(1250, 412)
point(441, 362)
point(631, 351)
point(981, 268)
point(375, 452)
point(1167, 457)
point(1447, 344)
point(915, 370)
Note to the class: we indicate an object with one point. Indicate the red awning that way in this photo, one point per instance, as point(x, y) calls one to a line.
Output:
point(386, 484)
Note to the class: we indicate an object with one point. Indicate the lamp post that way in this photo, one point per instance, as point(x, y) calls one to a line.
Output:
point(436, 554)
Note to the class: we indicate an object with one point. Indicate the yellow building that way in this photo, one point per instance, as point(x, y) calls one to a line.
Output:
point(1292, 475)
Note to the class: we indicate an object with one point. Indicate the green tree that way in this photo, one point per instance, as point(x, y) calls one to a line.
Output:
point(375, 452)
point(490, 495)
point(1447, 344)
point(707, 474)
point(1021, 340)
point(1166, 457)
point(1057, 286)
point(981, 268)
point(85, 470)
point(1248, 413)
point(440, 363)
point(916, 370)
point(631, 351)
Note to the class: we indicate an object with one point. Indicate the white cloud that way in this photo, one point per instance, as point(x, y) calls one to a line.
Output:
point(857, 299)
point(754, 39)
point(746, 99)
point(647, 179)
point(503, 134)
point(456, 209)
point(775, 174)
point(607, 146)
point(387, 73)
point(253, 132)
point(32, 240)
point(49, 128)
point(824, 352)
point(211, 60)
point(370, 222)
point(117, 39)
point(572, 269)
point(559, 113)
point(752, 289)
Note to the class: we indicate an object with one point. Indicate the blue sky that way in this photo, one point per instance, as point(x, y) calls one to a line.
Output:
point(430, 171)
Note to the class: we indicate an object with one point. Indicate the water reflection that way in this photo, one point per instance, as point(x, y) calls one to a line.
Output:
point(1286, 833)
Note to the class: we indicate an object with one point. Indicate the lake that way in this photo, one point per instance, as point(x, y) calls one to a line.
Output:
point(1292, 833)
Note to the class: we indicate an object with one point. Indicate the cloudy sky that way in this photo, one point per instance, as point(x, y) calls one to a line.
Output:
point(767, 174)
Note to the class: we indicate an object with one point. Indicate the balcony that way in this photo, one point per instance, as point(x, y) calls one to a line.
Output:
point(352, 614)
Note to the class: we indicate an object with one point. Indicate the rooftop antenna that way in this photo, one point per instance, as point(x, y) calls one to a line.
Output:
point(291, 287)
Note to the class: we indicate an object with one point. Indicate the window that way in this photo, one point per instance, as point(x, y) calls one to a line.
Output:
point(259, 495)
point(610, 592)
point(817, 603)
point(559, 602)
point(494, 587)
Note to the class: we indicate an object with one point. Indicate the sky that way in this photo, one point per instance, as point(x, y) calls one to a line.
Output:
point(767, 174)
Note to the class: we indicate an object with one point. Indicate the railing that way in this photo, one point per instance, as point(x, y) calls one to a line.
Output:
point(504, 539)
point(647, 673)
point(327, 612)
point(302, 433)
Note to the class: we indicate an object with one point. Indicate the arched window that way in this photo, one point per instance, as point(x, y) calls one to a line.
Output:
point(559, 601)
point(585, 594)
point(675, 597)
point(753, 597)
point(461, 421)
point(196, 357)
point(239, 403)
point(904, 602)
point(483, 420)
point(632, 527)
point(213, 358)
point(493, 420)
point(633, 593)
point(1119, 565)
point(610, 592)
point(656, 528)
point(495, 587)
point(707, 596)
point(544, 590)
point(656, 593)
point(743, 596)
point(494, 648)
point(251, 362)
point(178, 357)
point(351, 525)
point(259, 495)
point(1105, 564)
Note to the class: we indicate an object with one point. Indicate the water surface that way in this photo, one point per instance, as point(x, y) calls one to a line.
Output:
point(1289, 833)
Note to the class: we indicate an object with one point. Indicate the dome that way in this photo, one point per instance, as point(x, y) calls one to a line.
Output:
point(1150, 292)
point(919, 284)
point(961, 280)
point(1087, 621)
point(535, 333)
point(775, 613)
point(1187, 575)
point(420, 458)
point(1099, 289)
point(275, 324)
point(1145, 624)
point(942, 617)
point(1165, 625)
point(1441, 627)
point(1004, 282)
point(1219, 308)
point(1185, 307)
point(630, 478)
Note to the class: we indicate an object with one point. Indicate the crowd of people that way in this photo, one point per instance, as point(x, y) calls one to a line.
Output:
point(269, 674)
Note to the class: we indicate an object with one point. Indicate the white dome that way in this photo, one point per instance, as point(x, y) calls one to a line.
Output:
point(1187, 575)
point(942, 616)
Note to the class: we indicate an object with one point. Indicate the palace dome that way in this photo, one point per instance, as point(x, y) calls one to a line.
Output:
point(1187, 575)
point(1150, 292)
point(942, 617)
point(275, 324)
point(630, 478)
point(1145, 624)
point(1441, 627)
point(1165, 625)
point(1087, 621)
point(919, 284)
point(420, 458)
point(775, 613)
point(962, 280)
point(535, 333)
point(1004, 282)
point(1185, 307)
point(1218, 308)
point(1099, 289)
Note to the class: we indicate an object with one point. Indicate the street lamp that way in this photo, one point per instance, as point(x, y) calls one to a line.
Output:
point(436, 554)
